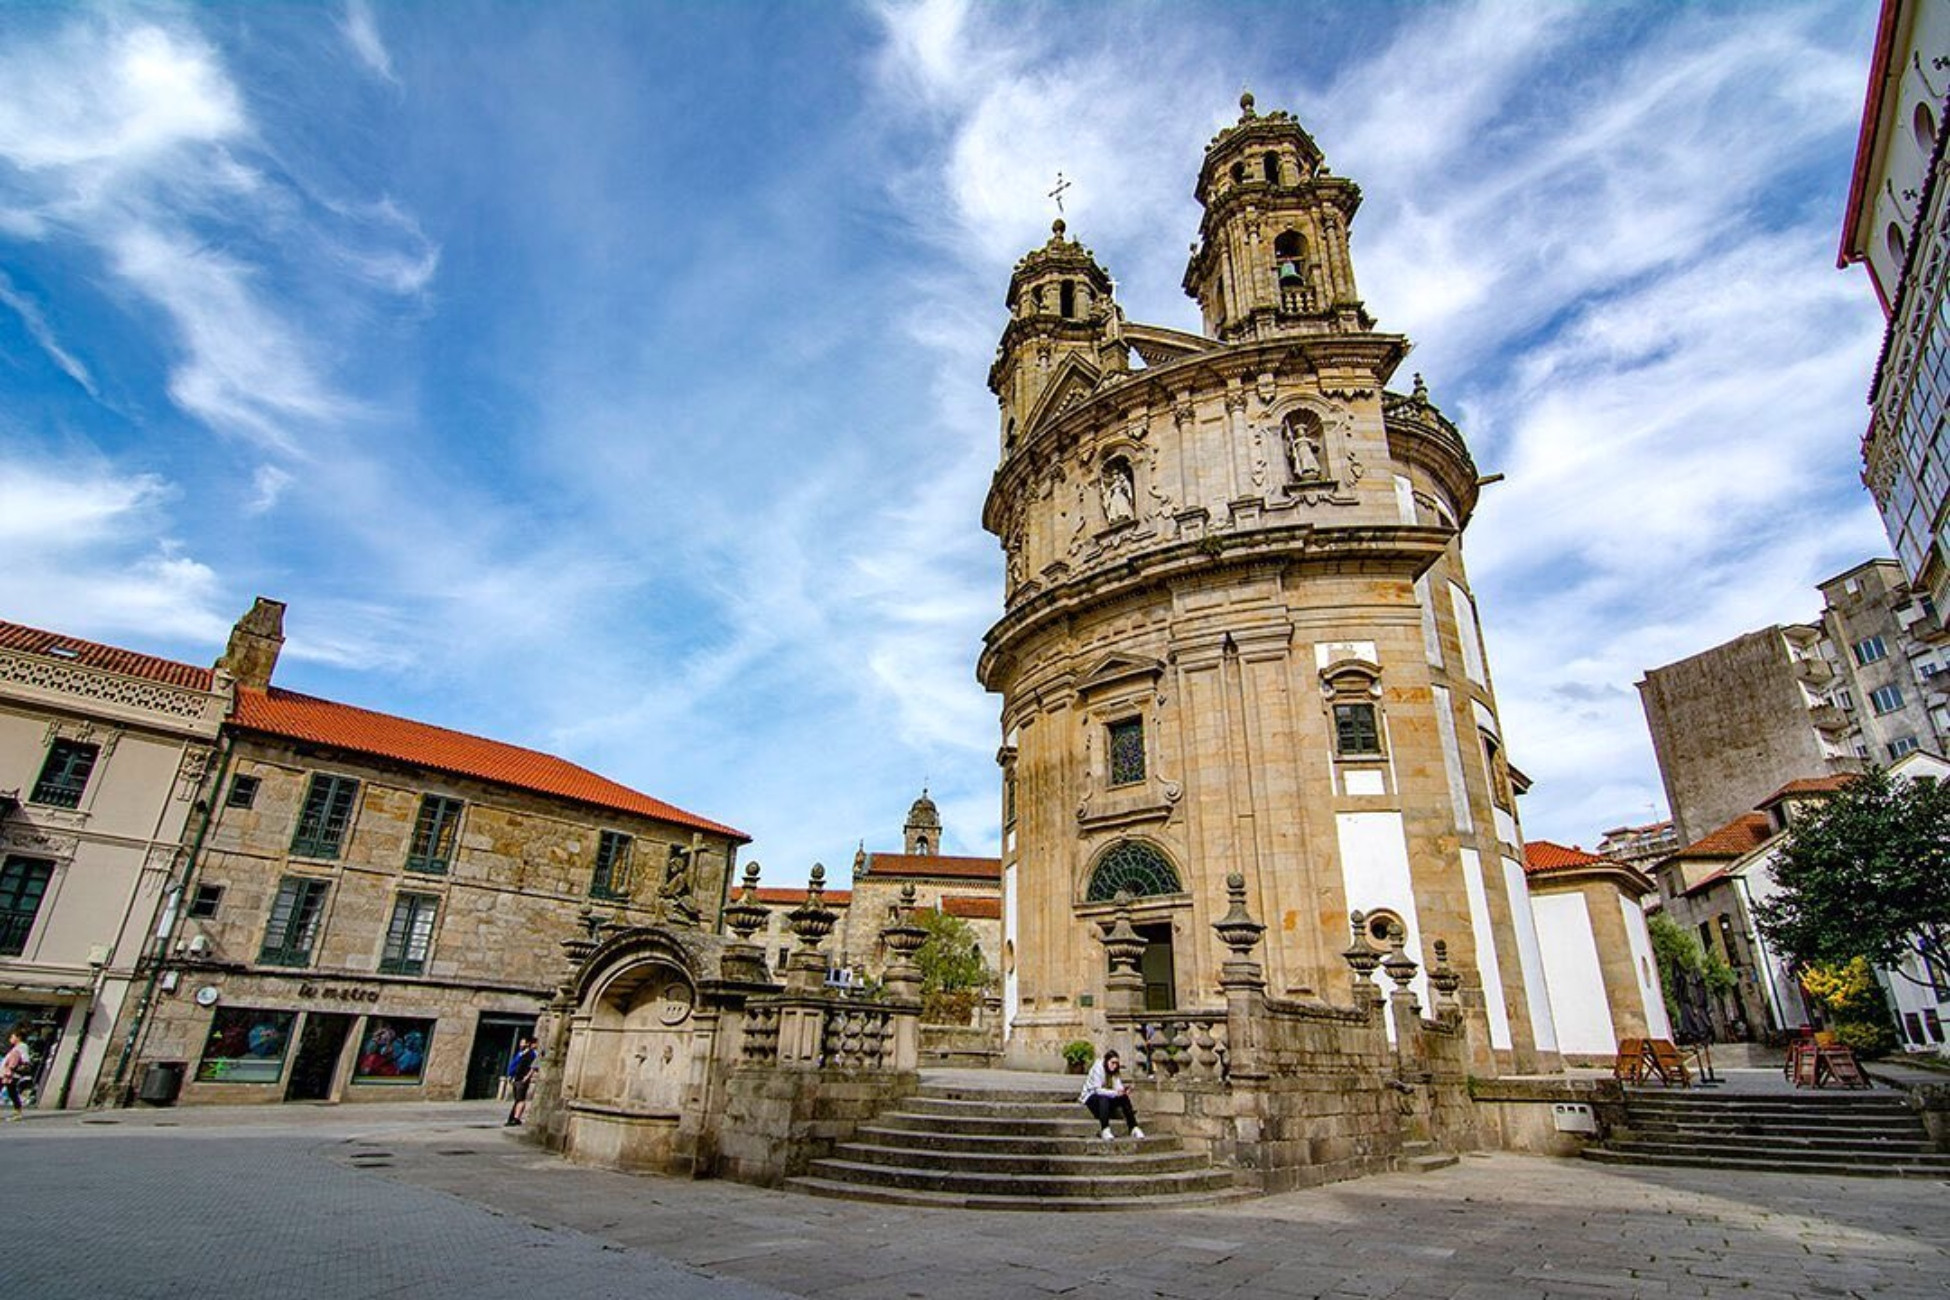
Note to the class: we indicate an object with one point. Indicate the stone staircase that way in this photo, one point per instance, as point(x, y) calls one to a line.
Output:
point(1871, 1133)
point(1017, 1142)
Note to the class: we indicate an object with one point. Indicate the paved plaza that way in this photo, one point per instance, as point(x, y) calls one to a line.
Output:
point(439, 1202)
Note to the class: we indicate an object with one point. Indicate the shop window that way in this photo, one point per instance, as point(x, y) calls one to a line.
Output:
point(434, 833)
point(326, 813)
point(612, 876)
point(23, 882)
point(409, 935)
point(64, 775)
point(245, 1046)
point(294, 922)
point(394, 1050)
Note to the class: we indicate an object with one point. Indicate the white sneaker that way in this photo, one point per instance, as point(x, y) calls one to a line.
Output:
point(1136, 1132)
point(1106, 1135)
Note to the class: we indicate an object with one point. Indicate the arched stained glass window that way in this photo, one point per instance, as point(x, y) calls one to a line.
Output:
point(1135, 867)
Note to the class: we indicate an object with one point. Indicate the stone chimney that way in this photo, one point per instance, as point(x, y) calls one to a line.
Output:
point(252, 654)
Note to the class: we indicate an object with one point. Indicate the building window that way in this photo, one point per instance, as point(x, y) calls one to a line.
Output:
point(1904, 745)
point(434, 834)
point(326, 814)
point(409, 936)
point(1126, 751)
point(22, 883)
point(203, 905)
point(243, 792)
point(612, 878)
point(1870, 650)
point(65, 773)
point(294, 922)
point(1009, 799)
point(1886, 699)
point(1133, 867)
point(1357, 731)
point(1844, 701)
point(1499, 772)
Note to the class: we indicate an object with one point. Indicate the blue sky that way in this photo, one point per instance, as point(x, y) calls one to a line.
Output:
point(609, 377)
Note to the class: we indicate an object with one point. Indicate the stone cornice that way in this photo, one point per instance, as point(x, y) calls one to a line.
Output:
point(1373, 548)
point(78, 688)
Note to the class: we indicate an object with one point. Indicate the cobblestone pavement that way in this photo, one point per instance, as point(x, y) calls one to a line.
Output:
point(435, 1202)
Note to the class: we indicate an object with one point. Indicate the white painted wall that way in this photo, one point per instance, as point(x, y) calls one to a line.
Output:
point(1530, 959)
point(1374, 872)
point(1488, 969)
point(1472, 645)
point(1579, 1007)
point(1452, 765)
point(1431, 638)
point(1646, 967)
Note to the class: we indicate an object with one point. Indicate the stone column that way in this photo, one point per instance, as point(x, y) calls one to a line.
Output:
point(1124, 985)
point(902, 981)
point(1244, 982)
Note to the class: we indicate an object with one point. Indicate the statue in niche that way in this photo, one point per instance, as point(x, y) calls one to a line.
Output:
point(678, 891)
point(1301, 434)
point(1119, 492)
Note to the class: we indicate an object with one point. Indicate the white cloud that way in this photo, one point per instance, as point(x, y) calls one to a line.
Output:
point(42, 333)
point(362, 34)
point(79, 553)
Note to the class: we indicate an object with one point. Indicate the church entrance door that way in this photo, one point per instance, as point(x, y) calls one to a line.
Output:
point(1160, 977)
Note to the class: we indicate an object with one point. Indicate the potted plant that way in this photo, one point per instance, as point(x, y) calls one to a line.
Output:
point(1078, 1055)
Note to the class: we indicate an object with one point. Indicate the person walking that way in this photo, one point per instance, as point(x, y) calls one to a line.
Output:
point(1106, 1094)
point(16, 1070)
point(521, 1074)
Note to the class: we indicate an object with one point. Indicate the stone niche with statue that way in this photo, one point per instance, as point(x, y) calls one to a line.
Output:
point(670, 1048)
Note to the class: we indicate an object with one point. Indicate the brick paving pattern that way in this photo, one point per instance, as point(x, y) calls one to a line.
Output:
point(440, 1202)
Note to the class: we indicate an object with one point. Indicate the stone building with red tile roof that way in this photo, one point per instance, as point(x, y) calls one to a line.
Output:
point(372, 907)
point(1597, 953)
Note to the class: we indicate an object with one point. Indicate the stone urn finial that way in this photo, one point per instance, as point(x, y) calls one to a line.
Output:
point(1443, 977)
point(904, 938)
point(1360, 954)
point(812, 920)
point(1123, 945)
point(1400, 966)
point(745, 915)
point(1237, 930)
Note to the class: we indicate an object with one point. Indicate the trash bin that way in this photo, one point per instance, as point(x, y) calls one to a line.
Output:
point(161, 1082)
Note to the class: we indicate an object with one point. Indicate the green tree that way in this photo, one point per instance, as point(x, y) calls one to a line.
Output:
point(1867, 874)
point(953, 973)
point(1679, 954)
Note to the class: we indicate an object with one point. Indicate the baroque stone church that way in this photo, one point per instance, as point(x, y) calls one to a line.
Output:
point(1238, 634)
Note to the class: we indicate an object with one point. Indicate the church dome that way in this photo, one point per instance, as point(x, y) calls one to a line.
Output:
point(924, 813)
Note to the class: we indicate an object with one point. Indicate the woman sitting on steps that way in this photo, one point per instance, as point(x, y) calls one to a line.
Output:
point(1105, 1093)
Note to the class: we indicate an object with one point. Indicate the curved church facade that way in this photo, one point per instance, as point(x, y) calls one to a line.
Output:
point(1238, 635)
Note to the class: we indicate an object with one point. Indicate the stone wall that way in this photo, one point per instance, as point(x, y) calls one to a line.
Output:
point(777, 1121)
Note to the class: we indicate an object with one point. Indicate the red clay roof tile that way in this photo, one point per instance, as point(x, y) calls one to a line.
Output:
point(975, 909)
point(278, 712)
point(1741, 835)
point(107, 658)
point(1540, 856)
point(884, 865)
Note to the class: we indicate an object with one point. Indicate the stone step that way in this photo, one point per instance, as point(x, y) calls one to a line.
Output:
point(1067, 1095)
point(1040, 1186)
point(1009, 1201)
point(1796, 1156)
point(1852, 1099)
point(1879, 1168)
point(922, 1139)
point(998, 1125)
point(1899, 1140)
point(983, 1108)
point(1115, 1156)
point(1733, 1123)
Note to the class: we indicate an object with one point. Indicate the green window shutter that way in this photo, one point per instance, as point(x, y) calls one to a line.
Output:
point(434, 834)
point(409, 935)
point(327, 813)
point(294, 922)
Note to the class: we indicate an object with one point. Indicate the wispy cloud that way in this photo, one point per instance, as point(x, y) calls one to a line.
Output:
point(362, 33)
point(42, 333)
